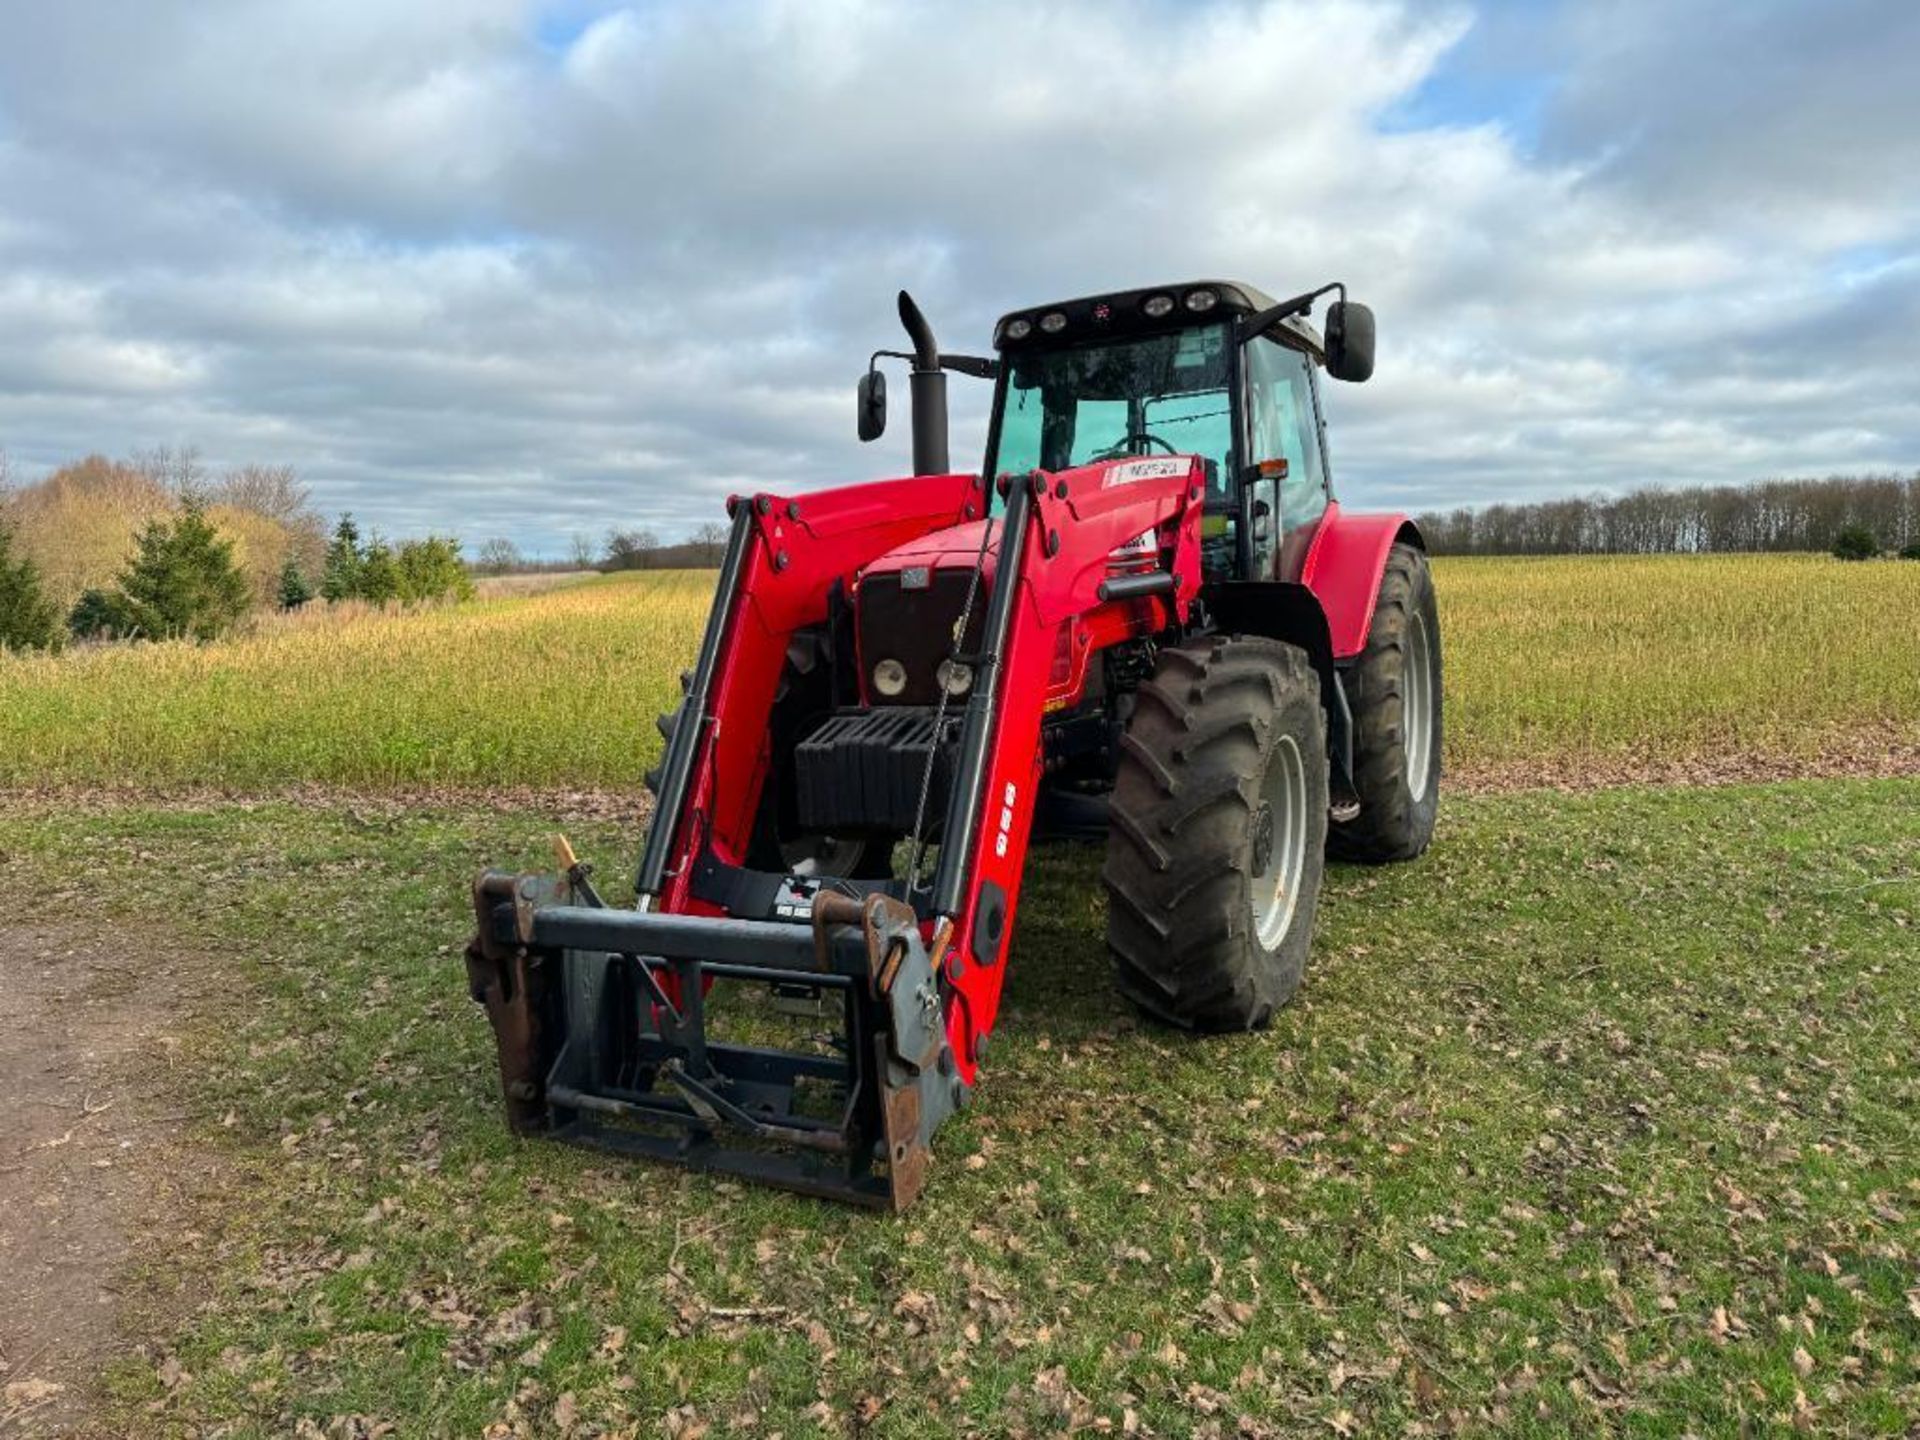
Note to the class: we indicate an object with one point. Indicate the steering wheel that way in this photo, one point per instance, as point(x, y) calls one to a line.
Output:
point(1131, 439)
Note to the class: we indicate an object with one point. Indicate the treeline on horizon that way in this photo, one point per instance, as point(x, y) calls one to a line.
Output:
point(636, 548)
point(1768, 515)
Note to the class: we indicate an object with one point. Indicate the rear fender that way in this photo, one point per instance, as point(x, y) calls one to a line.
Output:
point(1344, 568)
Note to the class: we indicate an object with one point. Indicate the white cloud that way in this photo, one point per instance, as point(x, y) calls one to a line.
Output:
point(466, 276)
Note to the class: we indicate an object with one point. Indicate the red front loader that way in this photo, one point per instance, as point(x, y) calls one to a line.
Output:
point(1145, 618)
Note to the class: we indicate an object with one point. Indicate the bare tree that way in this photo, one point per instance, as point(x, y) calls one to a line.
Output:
point(177, 467)
point(582, 552)
point(273, 491)
point(631, 549)
point(710, 541)
point(498, 555)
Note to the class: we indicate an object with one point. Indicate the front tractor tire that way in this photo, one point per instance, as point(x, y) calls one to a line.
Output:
point(1394, 692)
point(1218, 833)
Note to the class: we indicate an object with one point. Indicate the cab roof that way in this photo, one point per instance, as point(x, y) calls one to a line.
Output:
point(1123, 312)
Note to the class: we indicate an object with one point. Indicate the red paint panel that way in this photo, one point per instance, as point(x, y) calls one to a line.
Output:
point(1343, 569)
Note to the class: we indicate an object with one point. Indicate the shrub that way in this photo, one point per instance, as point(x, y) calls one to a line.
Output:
point(1855, 542)
point(100, 615)
point(1911, 552)
point(431, 569)
point(379, 575)
point(377, 572)
point(294, 590)
point(182, 582)
point(341, 578)
point(29, 620)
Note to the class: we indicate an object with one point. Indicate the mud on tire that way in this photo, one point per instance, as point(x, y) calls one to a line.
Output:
point(1221, 730)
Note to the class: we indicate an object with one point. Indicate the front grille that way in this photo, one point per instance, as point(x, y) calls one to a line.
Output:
point(861, 769)
point(915, 627)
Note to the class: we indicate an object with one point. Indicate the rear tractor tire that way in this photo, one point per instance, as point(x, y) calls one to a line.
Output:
point(1394, 693)
point(1218, 834)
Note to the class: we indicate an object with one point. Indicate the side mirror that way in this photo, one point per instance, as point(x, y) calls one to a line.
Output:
point(1349, 340)
point(871, 405)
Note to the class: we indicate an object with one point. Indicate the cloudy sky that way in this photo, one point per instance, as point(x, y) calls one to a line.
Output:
point(535, 269)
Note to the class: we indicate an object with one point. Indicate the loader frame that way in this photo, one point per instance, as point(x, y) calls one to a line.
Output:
point(600, 1013)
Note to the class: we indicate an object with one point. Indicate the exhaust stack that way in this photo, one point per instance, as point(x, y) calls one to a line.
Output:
point(929, 385)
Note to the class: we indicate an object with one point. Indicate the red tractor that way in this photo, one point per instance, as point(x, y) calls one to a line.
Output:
point(1145, 618)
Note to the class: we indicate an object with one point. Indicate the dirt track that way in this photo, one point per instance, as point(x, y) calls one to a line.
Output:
point(93, 1169)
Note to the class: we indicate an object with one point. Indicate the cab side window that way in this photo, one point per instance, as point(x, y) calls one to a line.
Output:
point(1280, 410)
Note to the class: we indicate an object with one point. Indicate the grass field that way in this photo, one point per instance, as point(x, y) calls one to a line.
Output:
point(1552, 665)
point(1603, 1118)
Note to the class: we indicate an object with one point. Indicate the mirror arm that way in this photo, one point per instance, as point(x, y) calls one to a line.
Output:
point(1256, 325)
point(980, 367)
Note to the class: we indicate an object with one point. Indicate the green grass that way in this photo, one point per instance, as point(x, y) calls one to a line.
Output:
point(1550, 664)
point(1604, 1117)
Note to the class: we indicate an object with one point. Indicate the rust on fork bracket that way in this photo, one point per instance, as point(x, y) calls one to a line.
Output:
point(907, 1054)
point(510, 981)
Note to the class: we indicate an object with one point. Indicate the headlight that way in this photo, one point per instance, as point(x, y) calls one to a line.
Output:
point(1019, 329)
point(1157, 306)
point(1201, 301)
point(956, 679)
point(1053, 322)
point(890, 678)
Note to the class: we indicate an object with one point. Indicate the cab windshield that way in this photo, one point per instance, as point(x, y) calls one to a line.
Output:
point(1161, 395)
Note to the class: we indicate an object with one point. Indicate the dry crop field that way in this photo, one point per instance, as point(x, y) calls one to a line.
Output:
point(1555, 667)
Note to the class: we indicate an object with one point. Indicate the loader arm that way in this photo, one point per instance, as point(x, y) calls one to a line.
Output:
point(1054, 602)
point(786, 556)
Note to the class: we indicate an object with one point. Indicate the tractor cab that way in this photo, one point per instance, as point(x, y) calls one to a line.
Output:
point(1216, 370)
point(1210, 368)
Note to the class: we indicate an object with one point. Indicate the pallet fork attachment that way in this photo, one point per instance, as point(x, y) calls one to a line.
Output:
point(599, 1017)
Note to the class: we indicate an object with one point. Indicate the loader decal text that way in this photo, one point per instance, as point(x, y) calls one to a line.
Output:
point(1134, 471)
point(1006, 822)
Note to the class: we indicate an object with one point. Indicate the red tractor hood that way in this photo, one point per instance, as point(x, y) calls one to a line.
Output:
point(953, 549)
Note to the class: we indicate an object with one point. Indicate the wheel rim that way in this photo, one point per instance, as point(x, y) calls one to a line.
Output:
point(822, 855)
point(1280, 830)
point(1416, 705)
